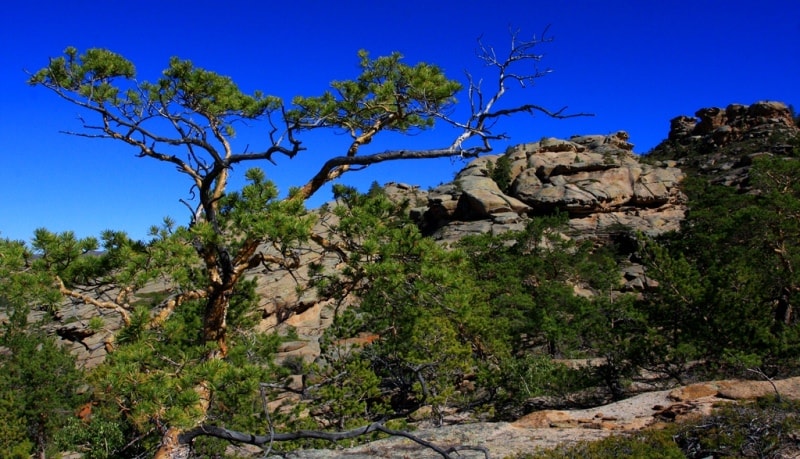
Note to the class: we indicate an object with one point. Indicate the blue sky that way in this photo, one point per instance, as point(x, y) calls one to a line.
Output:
point(634, 64)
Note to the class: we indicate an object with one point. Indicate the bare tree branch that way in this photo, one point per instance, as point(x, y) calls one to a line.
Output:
point(483, 109)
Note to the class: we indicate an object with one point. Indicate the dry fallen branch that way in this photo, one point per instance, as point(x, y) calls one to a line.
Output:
point(259, 440)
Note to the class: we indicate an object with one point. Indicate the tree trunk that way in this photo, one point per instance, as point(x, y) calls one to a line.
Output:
point(171, 447)
point(215, 320)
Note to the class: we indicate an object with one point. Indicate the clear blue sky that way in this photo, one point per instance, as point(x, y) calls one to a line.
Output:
point(634, 64)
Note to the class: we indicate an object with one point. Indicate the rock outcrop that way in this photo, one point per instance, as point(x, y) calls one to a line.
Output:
point(597, 180)
point(721, 126)
point(721, 143)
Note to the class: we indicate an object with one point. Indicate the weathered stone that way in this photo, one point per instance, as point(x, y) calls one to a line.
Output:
point(619, 139)
point(543, 419)
point(693, 391)
point(681, 126)
point(719, 126)
point(710, 119)
point(595, 177)
point(526, 185)
point(482, 197)
point(559, 145)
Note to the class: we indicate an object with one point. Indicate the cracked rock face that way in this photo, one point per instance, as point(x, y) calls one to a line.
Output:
point(597, 180)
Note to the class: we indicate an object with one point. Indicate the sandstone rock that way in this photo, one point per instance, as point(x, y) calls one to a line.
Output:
point(549, 428)
point(770, 112)
point(738, 390)
point(558, 145)
point(710, 119)
point(656, 186)
point(291, 346)
point(526, 185)
point(719, 143)
point(619, 140)
point(399, 192)
point(750, 390)
point(717, 126)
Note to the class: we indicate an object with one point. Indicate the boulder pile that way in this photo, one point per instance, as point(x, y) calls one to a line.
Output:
point(597, 180)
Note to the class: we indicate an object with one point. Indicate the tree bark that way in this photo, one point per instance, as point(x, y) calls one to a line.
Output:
point(215, 318)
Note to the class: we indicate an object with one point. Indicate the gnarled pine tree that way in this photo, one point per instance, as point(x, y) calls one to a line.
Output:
point(186, 119)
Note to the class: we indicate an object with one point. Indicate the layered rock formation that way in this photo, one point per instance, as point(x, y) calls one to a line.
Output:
point(597, 180)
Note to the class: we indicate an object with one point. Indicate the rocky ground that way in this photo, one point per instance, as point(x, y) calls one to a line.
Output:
point(551, 428)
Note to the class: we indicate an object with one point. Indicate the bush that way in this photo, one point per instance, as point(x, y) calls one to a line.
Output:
point(38, 387)
point(641, 445)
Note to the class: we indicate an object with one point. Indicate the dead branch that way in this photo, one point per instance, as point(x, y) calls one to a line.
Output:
point(480, 122)
point(187, 437)
point(483, 112)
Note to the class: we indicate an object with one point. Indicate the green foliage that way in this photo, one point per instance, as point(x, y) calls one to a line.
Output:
point(15, 440)
point(745, 246)
point(761, 429)
point(208, 93)
point(479, 324)
point(676, 312)
point(653, 444)
point(95, 439)
point(161, 377)
point(531, 279)
point(38, 379)
point(257, 212)
point(388, 95)
point(445, 316)
point(527, 376)
point(20, 285)
point(500, 172)
point(352, 396)
point(94, 75)
point(416, 296)
point(90, 74)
